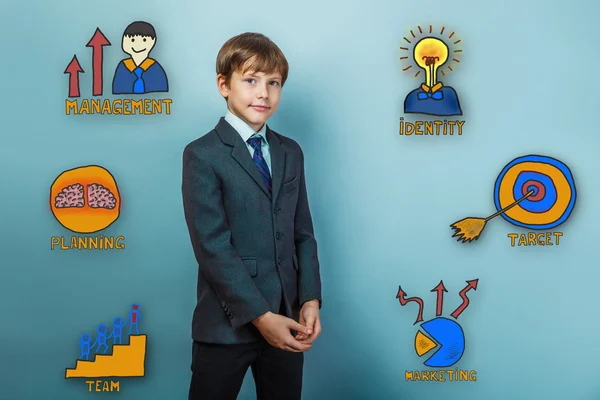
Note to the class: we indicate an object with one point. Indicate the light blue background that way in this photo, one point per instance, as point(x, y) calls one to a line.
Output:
point(381, 203)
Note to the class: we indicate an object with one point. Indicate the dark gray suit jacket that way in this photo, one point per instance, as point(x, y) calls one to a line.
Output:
point(253, 249)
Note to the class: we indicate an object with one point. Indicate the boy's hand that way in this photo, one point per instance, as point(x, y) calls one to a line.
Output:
point(276, 328)
point(309, 317)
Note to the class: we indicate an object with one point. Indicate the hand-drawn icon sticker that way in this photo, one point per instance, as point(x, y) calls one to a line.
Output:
point(139, 73)
point(533, 192)
point(108, 355)
point(85, 199)
point(443, 335)
point(446, 336)
point(432, 53)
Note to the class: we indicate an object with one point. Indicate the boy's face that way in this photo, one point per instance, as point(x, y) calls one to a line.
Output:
point(253, 96)
point(137, 45)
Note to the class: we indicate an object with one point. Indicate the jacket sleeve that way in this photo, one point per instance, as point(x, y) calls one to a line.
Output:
point(309, 282)
point(210, 235)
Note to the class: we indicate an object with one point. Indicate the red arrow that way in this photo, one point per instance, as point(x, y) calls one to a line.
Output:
point(440, 289)
point(96, 43)
point(73, 69)
point(463, 294)
point(403, 301)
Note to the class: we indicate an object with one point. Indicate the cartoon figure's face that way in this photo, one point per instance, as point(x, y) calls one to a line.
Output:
point(117, 321)
point(135, 307)
point(85, 338)
point(138, 46)
point(101, 328)
point(253, 96)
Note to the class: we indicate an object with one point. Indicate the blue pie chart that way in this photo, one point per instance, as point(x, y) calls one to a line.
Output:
point(446, 337)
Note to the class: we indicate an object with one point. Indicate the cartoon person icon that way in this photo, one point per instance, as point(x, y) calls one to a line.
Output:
point(139, 73)
point(117, 331)
point(84, 344)
point(432, 97)
point(134, 318)
point(101, 339)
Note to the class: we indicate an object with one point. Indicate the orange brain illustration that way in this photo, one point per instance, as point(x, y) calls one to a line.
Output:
point(85, 199)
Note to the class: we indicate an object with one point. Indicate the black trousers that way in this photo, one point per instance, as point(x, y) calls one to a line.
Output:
point(218, 371)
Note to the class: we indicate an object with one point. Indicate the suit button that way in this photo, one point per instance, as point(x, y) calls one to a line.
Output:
point(279, 235)
point(277, 210)
point(279, 261)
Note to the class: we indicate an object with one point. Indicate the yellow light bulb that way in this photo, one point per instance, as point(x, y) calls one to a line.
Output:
point(430, 54)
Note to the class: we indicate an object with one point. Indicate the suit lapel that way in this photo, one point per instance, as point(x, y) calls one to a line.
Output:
point(241, 154)
point(277, 161)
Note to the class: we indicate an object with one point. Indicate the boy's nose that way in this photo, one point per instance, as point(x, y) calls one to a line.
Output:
point(263, 92)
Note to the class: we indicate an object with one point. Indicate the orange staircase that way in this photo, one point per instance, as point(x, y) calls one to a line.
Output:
point(126, 360)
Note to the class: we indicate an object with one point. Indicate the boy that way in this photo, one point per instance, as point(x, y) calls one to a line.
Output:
point(246, 208)
point(139, 73)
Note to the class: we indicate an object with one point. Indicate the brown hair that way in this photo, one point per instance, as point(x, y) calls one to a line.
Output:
point(251, 52)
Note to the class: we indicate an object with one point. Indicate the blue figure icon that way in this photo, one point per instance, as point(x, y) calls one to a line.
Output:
point(117, 331)
point(133, 318)
point(84, 343)
point(139, 73)
point(101, 339)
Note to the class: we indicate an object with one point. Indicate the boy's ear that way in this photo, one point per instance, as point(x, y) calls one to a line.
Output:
point(223, 85)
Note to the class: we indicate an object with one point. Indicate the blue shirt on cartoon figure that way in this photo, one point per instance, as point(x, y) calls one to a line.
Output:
point(134, 318)
point(139, 73)
point(84, 344)
point(435, 100)
point(117, 331)
point(101, 339)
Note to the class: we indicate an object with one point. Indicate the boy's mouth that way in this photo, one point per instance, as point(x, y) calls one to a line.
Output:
point(138, 51)
point(260, 108)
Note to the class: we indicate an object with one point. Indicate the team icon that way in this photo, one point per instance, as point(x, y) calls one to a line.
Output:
point(123, 359)
point(429, 52)
point(532, 192)
point(116, 350)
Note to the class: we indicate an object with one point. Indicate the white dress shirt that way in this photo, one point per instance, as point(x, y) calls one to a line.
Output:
point(246, 132)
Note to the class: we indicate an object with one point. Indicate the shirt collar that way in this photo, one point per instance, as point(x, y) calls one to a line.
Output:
point(130, 65)
point(243, 128)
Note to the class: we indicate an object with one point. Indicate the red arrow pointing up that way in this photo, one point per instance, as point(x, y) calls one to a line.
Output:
point(463, 295)
point(440, 289)
point(401, 296)
point(96, 43)
point(73, 69)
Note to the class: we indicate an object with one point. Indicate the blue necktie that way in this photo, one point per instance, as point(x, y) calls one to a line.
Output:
point(256, 141)
point(138, 85)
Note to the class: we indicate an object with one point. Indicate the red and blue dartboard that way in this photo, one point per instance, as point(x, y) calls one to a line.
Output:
point(553, 197)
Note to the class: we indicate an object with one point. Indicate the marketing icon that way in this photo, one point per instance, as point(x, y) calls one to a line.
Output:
point(442, 338)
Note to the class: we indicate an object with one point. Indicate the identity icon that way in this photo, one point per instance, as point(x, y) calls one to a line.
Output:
point(431, 54)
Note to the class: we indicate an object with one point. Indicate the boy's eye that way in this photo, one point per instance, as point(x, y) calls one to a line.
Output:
point(275, 83)
point(132, 40)
point(144, 39)
point(250, 80)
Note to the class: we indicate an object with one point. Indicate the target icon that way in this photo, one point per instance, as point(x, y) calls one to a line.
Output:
point(533, 192)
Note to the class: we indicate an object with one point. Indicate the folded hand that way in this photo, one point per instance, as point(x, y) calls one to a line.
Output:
point(309, 317)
